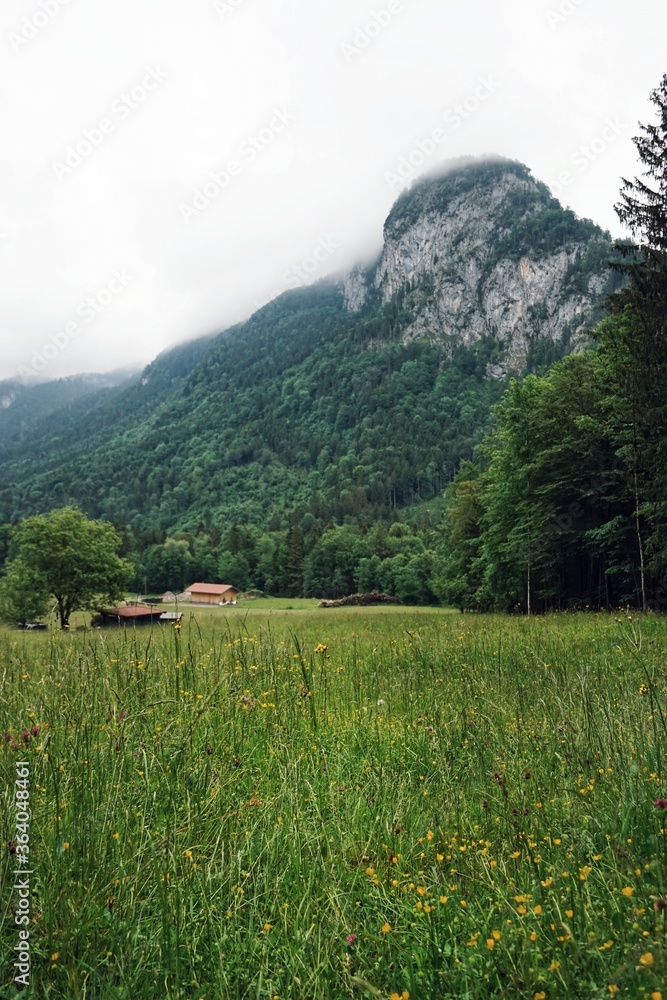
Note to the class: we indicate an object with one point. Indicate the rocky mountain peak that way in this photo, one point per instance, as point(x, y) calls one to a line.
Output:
point(483, 250)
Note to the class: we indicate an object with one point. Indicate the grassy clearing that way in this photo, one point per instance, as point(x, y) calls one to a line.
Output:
point(345, 803)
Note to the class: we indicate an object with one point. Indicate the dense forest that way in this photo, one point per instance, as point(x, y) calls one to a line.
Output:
point(317, 451)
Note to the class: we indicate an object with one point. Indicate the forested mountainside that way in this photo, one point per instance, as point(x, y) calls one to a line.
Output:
point(43, 424)
point(27, 409)
point(347, 403)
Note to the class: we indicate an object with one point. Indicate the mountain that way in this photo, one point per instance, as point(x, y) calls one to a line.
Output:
point(345, 401)
point(486, 251)
point(48, 422)
point(25, 409)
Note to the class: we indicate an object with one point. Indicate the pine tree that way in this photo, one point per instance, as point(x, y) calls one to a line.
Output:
point(643, 210)
point(294, 562)
point(636, 345)
point(643, 206)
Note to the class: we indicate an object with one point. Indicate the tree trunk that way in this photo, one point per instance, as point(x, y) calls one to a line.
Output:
point(640, 543)
point(63, 613)
point(635, 477)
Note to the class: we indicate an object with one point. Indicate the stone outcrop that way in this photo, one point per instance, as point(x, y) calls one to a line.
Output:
point(485, 251)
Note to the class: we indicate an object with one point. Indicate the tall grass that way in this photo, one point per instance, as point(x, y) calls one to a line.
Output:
point(375, 804)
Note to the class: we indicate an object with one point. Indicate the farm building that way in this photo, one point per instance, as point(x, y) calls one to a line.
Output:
point(136, 615)
point(210, 593)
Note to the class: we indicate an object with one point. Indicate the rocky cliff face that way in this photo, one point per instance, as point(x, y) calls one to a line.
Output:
point(485, 251)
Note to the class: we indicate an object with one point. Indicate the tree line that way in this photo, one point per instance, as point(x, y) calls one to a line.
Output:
point(304, 559)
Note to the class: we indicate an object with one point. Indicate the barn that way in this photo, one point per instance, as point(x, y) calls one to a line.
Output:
point(135, 615)
point(210, 593)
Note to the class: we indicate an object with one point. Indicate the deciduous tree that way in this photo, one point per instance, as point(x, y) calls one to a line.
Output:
point(70, 558)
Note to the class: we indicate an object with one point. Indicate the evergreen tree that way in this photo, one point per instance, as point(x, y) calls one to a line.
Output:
point(456, 579)
point(293, 581)
point(636, 344)
point(643, 204)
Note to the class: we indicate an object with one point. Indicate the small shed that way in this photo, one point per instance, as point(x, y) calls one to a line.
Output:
point(137, 615)
point(171, 616)
point(211, 593)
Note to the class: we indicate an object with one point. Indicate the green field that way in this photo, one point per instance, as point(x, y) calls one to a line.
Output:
point(305, 804)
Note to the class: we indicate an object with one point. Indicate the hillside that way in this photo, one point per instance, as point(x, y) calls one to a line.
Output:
point(346, 401)
point(51, 422)
point(26, 410)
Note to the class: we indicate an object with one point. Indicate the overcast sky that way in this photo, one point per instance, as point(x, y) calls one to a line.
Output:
point(166, 167)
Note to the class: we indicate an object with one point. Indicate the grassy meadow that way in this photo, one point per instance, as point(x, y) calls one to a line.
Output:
point(299, 804)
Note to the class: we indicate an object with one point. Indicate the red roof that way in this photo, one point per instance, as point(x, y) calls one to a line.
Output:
point(133, 612)
point(209, 588)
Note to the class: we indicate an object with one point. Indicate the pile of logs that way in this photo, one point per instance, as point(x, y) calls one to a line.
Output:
point(360, 601)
